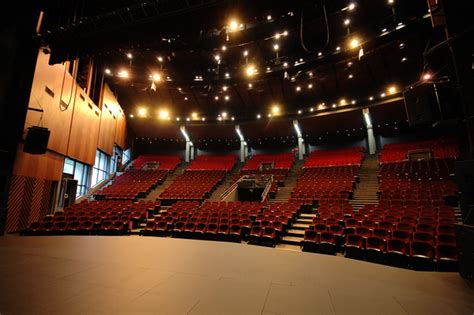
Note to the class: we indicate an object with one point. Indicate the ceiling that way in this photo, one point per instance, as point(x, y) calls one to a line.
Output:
point(308, 71)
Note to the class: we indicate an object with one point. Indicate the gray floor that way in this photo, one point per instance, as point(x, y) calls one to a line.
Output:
point(134, 275)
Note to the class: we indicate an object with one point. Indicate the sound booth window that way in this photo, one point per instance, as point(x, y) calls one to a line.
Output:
point(101, 169)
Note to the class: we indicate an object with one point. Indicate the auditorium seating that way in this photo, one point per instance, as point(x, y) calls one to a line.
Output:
point(440, 148)
point(282, 161)
point(341, 157)
point(224, 221)
point(418, 183)
point(165, 162)
point(326, 185)
point(106, 217)
point(132, 185)
point(192, 185)
point(213, 163)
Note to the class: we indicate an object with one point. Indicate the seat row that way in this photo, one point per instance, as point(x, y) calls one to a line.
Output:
point(213, 163)
point(440, 148)
point(132, 185)
point(341, 157)
point(165, 162)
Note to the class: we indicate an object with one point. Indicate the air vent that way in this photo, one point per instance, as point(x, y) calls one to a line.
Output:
point(49, 91)
point(97, 113)
point(90, 106)
point(82, 97)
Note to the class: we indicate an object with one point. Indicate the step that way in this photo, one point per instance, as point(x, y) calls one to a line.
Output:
point(300, 226)
point(304, 221)
point(292, 240)
point(295, 248)
point(295, 232)
point(307, 215)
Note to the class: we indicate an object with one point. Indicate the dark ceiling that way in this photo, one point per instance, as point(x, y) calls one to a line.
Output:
point(189, 34)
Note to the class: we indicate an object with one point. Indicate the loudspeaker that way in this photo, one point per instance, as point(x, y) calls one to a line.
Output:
point(465, 243)
point(465, 182)
point(421, 105)
point(36, 141)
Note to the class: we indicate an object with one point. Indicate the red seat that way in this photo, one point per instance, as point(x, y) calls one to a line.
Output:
point(310, 241)
point(327, 243)
point(397, 254)
point(375, 249)
point(354, 246)
point(424, 237)
point(422, 256)
point(446, 257)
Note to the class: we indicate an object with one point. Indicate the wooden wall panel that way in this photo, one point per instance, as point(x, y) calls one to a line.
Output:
point(28, 201)
point(56, 117)
point(84, 130)
point(112, 123)
point(121, 131)
point(43, 166)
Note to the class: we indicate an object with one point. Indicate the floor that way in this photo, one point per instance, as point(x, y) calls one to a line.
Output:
point(140, 275)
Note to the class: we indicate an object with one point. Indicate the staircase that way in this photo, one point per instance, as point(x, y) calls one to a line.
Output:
point(226, 183)
point(284, 193)
point(366, 190)
point(155, 193)
point(295, 232)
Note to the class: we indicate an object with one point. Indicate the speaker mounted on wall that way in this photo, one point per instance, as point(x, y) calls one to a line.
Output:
point(36, 141)
point(421, 105)
point(428, 104)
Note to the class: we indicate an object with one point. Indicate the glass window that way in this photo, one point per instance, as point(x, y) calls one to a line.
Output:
point(68, 166)
point(80, 172)
point(101, 168)
point(126, 156)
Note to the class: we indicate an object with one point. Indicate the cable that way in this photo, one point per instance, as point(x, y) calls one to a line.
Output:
point(301, 31)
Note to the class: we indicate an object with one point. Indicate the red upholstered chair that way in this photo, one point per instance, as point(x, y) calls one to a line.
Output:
point(422, 256)
point(375, 249)
point(354, 246)
point(397, 253)
point(446, 257)
point(310, 241)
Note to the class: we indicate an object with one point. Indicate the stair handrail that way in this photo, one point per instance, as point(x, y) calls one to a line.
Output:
point(267, 189)
point(229, 190)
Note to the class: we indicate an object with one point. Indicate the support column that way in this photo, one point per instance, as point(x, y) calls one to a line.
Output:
point(370, 132)
point(187, 155)
point(243, 149)
point(243, 144)
point(301, 144)
point(192, 151)
point(301, 148)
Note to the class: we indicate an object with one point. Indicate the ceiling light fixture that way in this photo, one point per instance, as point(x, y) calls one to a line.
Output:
point(233, 25)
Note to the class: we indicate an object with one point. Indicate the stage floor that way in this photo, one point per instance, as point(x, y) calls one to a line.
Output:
point(136, 275)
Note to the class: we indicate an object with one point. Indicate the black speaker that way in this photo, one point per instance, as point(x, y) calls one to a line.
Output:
point(465, 243)
point(36, 141)
point(421, 105)
point(465, 182)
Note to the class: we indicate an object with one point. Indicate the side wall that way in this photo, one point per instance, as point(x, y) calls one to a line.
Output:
point(78, 127)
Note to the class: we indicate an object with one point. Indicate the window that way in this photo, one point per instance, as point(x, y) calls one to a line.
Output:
point(101, 168)
point(80, 172)
point(116, 157)
point(68, 166)
point(126, 156)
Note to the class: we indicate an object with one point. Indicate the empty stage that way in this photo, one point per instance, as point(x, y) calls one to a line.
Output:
point(133, 275)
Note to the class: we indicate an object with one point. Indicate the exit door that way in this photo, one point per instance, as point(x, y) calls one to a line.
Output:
point(67, 195)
